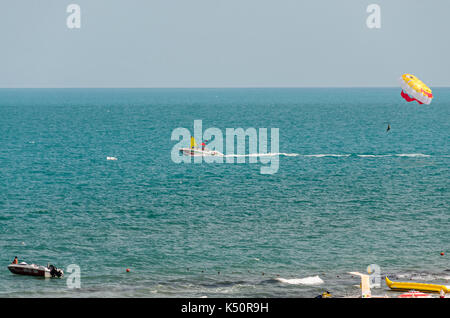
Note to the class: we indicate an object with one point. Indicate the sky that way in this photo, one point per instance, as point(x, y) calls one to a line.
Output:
point(223, 43)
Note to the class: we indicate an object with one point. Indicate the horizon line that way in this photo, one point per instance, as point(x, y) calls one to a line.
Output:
point(200, 87)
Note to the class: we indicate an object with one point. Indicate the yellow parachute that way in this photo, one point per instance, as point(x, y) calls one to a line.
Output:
point(413, 89)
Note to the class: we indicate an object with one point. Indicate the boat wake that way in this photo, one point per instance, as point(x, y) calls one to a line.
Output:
point(322, 155)
point(372, 156)
point(332, 155)
point(411, 155)
point(327, 155)
point(269, 154)
point(195, 150)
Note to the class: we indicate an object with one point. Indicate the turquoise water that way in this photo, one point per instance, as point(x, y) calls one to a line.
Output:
point(223, 230)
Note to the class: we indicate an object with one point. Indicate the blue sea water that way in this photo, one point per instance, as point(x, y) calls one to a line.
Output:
point(353, 195)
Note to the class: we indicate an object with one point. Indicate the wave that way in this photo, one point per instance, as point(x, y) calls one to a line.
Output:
point(422, 276)
point(312, 280)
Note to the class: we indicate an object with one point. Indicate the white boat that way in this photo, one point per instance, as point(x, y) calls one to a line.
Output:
point(35, 270)
point(195, 150)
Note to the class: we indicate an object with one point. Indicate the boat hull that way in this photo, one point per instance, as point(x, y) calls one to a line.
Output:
point(199, 152)
point(30, 270)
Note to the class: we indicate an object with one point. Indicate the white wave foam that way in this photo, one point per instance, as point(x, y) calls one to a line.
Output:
point(396, 155)
point(321, 155)
point(312, 280)
point(370, 155)
point(269, 154)
point(327, 155)
point(424, 277)
point(412, 155)
point(373, 156)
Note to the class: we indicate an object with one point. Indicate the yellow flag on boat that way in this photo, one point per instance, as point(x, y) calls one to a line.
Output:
point(413, 89)
point(193, 143)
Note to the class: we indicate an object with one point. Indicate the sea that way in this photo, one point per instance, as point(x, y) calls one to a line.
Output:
point(347, 193)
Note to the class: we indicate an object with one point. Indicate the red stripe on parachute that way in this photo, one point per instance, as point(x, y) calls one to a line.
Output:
point(409, 98)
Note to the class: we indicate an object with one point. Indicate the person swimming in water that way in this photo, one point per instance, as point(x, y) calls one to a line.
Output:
point(388, 128)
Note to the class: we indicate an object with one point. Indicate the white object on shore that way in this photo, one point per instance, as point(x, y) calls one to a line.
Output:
point(111, 158)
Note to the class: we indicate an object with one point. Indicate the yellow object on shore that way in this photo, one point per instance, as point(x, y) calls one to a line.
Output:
point(326, 295)
point(432, 288)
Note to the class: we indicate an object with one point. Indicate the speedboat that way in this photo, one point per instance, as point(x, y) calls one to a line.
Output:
point(35, 270)
point(199, 152)
point(195, 150)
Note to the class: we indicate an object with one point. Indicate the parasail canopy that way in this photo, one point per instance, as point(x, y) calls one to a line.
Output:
point(413, 89)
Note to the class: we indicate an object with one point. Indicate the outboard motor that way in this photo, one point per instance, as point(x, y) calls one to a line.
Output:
point(55, 272)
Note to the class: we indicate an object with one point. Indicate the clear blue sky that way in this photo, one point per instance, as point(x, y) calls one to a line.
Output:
point(222, 43)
